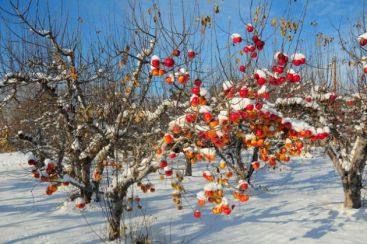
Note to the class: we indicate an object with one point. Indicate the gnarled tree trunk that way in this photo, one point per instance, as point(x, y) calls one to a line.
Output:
point(114, 232)
point(352, 184)
point(88, 191)
point(352, 176)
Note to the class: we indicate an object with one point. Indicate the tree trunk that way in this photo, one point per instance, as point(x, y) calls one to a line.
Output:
point(188, 170)
point(352, 184)
point(88, 192)
point(351, 178)
point(114, 232)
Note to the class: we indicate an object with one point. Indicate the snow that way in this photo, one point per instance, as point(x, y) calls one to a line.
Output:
point(239, 103)
point(364, 36)
point(227, 85)
point(301, 202)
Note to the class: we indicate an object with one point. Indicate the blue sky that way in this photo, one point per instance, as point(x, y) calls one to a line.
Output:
point(102, 14)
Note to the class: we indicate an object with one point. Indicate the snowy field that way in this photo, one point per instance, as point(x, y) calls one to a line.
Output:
point(302, 203)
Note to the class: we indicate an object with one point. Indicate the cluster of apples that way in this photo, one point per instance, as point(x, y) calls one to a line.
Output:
point(46, 172)
point(168, 171)
point(257, 44)
point(131, 201)
point(193, 155)
point(213, 193)
point(149, 187)
point(158, 67)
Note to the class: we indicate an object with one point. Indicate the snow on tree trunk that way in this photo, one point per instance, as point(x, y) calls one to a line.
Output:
point(351, 175)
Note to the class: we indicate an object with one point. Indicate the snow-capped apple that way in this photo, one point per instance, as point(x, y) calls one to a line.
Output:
point(236, 38)
point(249, 28)
point(362, 39)
point(244, 92)
point(155, 61)
point(80, 203)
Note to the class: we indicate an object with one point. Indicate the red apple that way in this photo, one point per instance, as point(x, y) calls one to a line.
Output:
point(190, 118)
point(244, 186)
point(362, 41)
point(195, 101)
point(243, 68)
point(258, 106)
point(234, 117)
point(197, 214)
point(197, 82)
point(163, 164)
point(297, 62)
point(168, 62)
point(250, 28)
point(250, 107)
point(176, 53)
point(195, 90)
point(207, 116)
point(261, 81)
point(244, 92)
point(155, 63)
point(191, 54)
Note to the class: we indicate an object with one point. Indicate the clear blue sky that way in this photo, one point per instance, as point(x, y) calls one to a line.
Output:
point(101, 14)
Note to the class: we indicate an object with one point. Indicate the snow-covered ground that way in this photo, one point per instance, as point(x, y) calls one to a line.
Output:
point(302, 204)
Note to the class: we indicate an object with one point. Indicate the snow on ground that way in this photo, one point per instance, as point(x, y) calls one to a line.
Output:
point(300, 203)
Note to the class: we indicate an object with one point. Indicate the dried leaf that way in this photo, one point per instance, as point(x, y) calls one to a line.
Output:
point(273, 22)
point(74, 75)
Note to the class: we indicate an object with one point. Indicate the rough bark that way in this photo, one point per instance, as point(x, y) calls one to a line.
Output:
point(114, 232)
point(352, 184)
point(352, 178)
point(87, 192)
